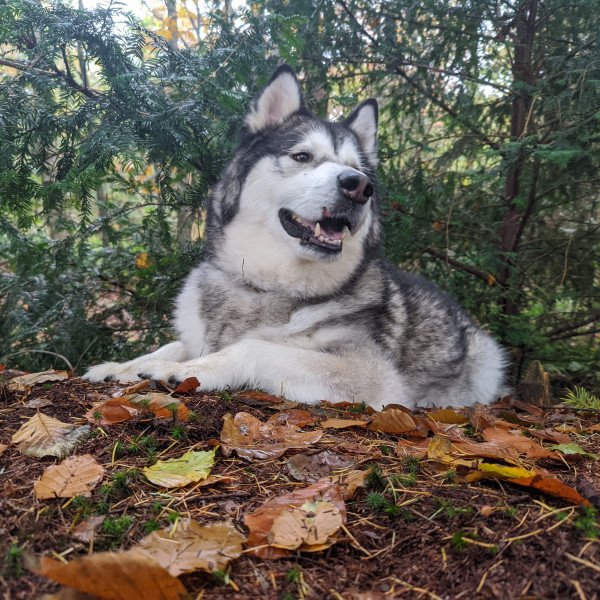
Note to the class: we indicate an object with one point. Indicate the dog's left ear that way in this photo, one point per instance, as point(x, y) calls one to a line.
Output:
point(363, 121)
point(281, 98)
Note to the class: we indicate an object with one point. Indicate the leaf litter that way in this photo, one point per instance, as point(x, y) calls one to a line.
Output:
point(384, 488)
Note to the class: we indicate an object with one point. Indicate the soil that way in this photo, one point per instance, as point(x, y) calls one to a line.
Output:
point(519, 543)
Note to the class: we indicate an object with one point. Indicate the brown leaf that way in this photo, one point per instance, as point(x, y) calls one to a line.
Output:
point(393, 421)
point(26, 382)
point(86, 530)
point(252, 439)
point(553, 487)
point(417, 448)
point(294, 416)
point(109, 412)
point(481, 417)
point(38, 403)
point(157, 403)
point(312, 467)
point(187, 385)
point(136, 387)
point(260, 396)
point(3, 448)
point(448, 416)
point(309, 525)
point(260, 522)
point(550, 435)
point(520, 443)
point(129, 575)
point(352, 481)
point(74, 476)
point(42, 436)
point(342, 423)
point(192, 547)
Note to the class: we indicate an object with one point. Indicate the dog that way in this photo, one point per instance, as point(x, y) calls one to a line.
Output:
point(294, 296)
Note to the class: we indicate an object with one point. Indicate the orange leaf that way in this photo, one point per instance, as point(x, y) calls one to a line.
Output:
point(294, 416)
point(520, 443)
point(552, 487)
point(342, 423)
point(187, 385)
point(115, 410)
point(448, 416)
point(393, 421)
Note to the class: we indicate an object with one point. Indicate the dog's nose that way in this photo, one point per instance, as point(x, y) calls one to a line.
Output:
point(355, 186)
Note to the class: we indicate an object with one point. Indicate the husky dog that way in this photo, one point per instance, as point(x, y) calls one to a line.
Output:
point(294, 296)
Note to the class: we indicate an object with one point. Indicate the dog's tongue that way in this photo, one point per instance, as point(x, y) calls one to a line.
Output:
point(331, 234)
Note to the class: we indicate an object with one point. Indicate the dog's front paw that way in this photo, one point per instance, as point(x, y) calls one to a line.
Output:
point(110, 371)
point(172, 372)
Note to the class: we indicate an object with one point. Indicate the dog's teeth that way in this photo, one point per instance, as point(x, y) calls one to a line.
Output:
point(345, 231)
point(318, 230)
point(321, 238)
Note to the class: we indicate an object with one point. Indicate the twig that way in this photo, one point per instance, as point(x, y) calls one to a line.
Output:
point(43, 352)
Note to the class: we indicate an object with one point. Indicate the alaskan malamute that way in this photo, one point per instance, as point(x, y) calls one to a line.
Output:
point(294, 296)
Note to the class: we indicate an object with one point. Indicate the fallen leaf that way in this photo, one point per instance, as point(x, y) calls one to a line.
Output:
point(177, 472)
point(521, 443)
point(481, 417)
point(352, 481)
point(417, 449)
point(38, 403)
point(86, 530)
point(3, 447)
point(260, 396)
point(260, 522)
point(595, 427)
point(392, 421)
point(161, 405)
point(22, 383)
point(74, 476)
point(550, 435)
point(191, 547)
point(552, 487)
point(505, 472)
point(127, 575)
point(187, 385)
point(573, 449)
point(342, 423)
point(109, 412)
point(312, 467)
point(297, 417)
point(448, 416)
point(252, 439)
point(42, 436)
point(311, 524)
point(134, 388)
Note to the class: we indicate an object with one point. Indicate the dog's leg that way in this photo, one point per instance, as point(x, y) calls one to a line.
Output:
point(297, 373)
point(128, 371)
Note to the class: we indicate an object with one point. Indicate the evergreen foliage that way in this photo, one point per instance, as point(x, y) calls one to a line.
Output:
point(112, 136)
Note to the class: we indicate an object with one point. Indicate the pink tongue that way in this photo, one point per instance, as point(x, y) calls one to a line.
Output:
point(332, 235)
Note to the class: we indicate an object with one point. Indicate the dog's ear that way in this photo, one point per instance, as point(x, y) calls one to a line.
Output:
point(363, 121)
point(281, 98)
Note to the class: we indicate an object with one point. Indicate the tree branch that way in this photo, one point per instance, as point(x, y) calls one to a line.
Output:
point(488, 277)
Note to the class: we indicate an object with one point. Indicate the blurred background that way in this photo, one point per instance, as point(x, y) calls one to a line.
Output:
point(117, 118)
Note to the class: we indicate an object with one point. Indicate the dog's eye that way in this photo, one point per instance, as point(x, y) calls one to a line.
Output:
point(301, 157)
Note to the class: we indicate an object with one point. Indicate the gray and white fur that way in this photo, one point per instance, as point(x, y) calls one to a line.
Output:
point(294, 296)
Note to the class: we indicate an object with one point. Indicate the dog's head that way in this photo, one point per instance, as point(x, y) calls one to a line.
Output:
point(300, 193)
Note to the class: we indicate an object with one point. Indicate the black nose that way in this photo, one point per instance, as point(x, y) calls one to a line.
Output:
point(355, 186)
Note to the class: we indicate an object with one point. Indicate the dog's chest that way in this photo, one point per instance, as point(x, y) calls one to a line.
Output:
point(230, 312)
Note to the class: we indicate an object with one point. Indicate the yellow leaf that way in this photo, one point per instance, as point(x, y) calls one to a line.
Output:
point(141, 260)
point(491, 280)
point(503, 471)
point(177, 472)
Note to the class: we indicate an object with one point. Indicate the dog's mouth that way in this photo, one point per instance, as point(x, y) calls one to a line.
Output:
point(325, 235)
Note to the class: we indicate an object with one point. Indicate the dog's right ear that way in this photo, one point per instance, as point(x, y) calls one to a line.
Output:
point(281, 98)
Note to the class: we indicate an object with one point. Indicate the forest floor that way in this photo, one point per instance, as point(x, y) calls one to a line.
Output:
point(491, 502)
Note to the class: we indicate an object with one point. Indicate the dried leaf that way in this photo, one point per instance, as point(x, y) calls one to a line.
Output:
point(45, 436)
point(74, 476)
point(294, 416)
point(109, 412)
point(252, 439)
point(552, 487)
point(26, 382)
point(86, 530)
point(520, 443)
point(393, 421)
point(352, 481)
point(260, 522)
point(177, 472)
point(3, 448)
point(192, 547)
point(312, 467)
point(260, 396)
point(187, 385)
point(342, 423)
point(129, 575)
point(505, 472)
point(311, 524)
point(38, 402)
point(550, 435)
point(134, 388)
point(417, 448)
point(161, 405)
point(448, 416)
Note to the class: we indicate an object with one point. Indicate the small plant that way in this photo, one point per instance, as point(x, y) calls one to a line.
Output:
point(13, 561)
point(178, 432)
point(403, 480)
point(587, 522)
point(225, 395)
point(115, 528)
point(376, 501)
point(294, 575)
point(511, 512)
point(581, 399)
point(140, 444)
point(447, 509)
point(358, 408)
point(192, 416)
point(386, 450)
point(97, 416)
point(144, 405)
point(469, 430)
point(458, 540)
point(83, 505)
point(173, 408)
point(375, 479)
point(450, 476)
point(173, 516)
point(150, 526)
point(157, 508)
